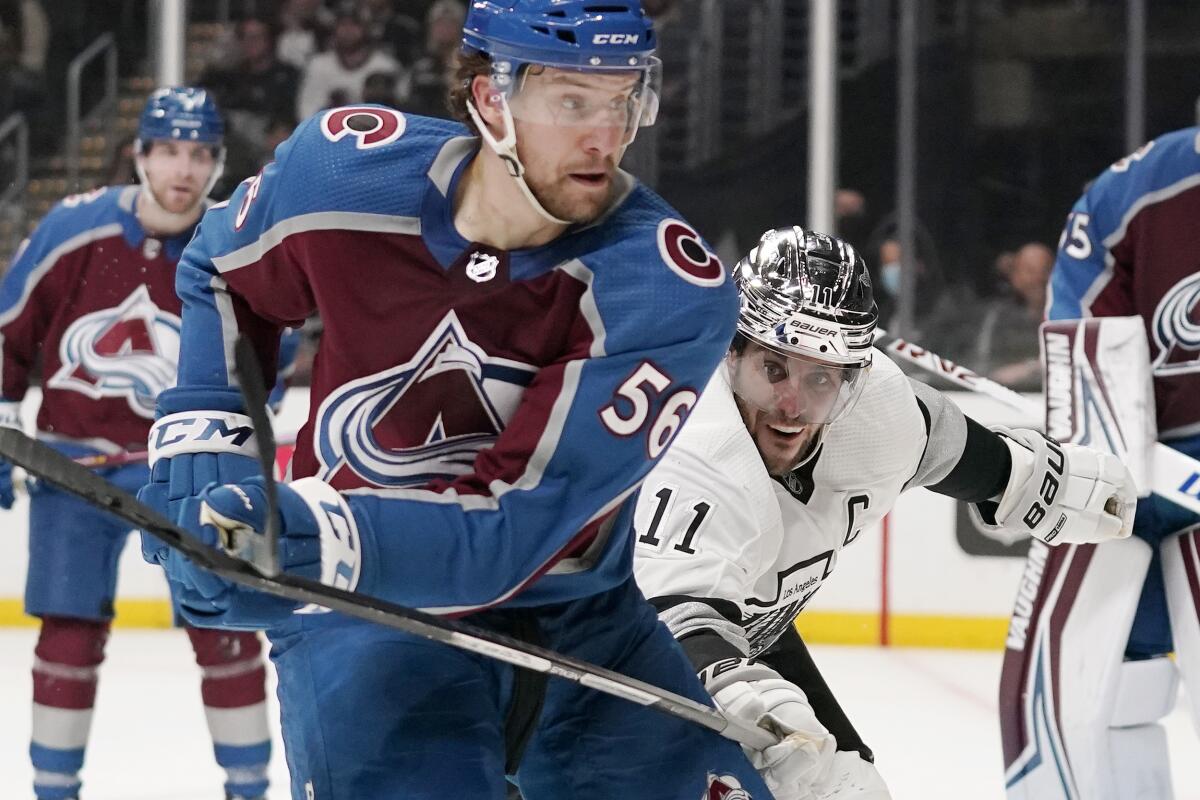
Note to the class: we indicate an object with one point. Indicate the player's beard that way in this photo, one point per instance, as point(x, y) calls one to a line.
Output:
point(780, 453)
point(175, 202)
point(566, 199)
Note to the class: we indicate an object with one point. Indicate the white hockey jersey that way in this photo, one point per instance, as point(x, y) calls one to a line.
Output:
point(722, 546)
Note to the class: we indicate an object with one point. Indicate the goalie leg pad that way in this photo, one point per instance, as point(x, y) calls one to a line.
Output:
point(1141, 767)
point(1059, 679)
point(1099, 390)
point(1181, 568)
point(1146, 692)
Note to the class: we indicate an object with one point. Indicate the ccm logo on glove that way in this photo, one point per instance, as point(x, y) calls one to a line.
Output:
point(202, 432)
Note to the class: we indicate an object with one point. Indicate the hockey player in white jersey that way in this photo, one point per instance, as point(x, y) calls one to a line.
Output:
point(806, 436)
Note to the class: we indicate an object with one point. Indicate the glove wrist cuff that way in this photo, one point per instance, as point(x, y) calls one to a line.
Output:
point(341, 546)
point(719, 674)
point(202, 432)
point(1021, 469)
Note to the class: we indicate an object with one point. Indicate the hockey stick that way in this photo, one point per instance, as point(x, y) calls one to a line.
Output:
point(254, 393)
point(49, 465)
point(20, 480)
point(1176, 476)
point(113, 460)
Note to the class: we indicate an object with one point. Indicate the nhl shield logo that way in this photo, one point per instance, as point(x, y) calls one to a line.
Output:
point(725, 787)
point(482, 266)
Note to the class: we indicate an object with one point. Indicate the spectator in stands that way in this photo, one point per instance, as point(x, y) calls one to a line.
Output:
point(945, 314)
point(255, 89)
point(850, 218)
point(1006, 345)
point(304, 27)
point(28, 19)
point(278, 129)
point(380, 88)
point(24, 36)
point(398, 33)
point(433, 71)
point(888, 279)
point(336, 77)
point(665, 12)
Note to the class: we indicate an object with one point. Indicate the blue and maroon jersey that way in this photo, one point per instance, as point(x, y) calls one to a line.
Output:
point(89, 302)
point(488, 414)
point(1132, 247)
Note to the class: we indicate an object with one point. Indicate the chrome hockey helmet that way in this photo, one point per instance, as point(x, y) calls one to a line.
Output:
point(806, 324)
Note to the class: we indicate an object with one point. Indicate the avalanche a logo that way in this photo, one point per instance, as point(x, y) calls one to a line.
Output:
point(427, 418)
point(129, 351)
point(1176, 333)
point(725, 787)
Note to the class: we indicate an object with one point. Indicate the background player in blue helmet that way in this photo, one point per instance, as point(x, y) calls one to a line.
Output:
point(90, 300)
point(1086, 677)
point(514, 330)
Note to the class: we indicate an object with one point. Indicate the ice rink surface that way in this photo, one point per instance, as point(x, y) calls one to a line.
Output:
point(930, 716)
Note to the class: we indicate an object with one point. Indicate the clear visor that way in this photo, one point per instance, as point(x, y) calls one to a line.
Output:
point(623, 98)
point(793, 388)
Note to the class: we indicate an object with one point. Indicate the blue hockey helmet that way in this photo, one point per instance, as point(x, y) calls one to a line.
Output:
point(584, 35)
point(581, 33)
point(612, 38)
point(183, 113)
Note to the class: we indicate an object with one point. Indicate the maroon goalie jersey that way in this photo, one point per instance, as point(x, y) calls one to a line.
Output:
point(88, 307)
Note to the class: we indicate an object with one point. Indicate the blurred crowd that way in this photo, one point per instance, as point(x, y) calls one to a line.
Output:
point(991, 328)
point(279, 61)
point(24, 40)
point(274, 69)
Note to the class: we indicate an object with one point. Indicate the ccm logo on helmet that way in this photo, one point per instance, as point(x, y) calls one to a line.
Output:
point(615, 38)
point(372, 127)
point(685, 253)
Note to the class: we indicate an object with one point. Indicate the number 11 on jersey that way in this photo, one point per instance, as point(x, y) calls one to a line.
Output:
point(699, 514)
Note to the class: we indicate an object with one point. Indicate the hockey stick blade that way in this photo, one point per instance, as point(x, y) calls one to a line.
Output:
point(54, 468)
point(1176, 475)
point(263, 552)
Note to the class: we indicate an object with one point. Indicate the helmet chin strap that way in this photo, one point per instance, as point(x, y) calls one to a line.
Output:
point(172, 222)
point(506, 148)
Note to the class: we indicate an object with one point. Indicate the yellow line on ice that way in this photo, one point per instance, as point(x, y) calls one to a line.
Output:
point(817, 627)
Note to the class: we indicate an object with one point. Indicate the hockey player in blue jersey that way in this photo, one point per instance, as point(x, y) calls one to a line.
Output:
point(514, 330)
point(89, 305)
point(1086, 677)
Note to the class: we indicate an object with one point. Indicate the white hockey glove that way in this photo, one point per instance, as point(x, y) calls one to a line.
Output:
point(1061, 492)
point(851, 778)
point(755, 693)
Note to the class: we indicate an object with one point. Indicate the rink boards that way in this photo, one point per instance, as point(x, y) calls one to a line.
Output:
point(925, 577)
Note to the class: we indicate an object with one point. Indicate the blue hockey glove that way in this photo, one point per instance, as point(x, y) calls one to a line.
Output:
point(318, 539)
point(190, 450)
